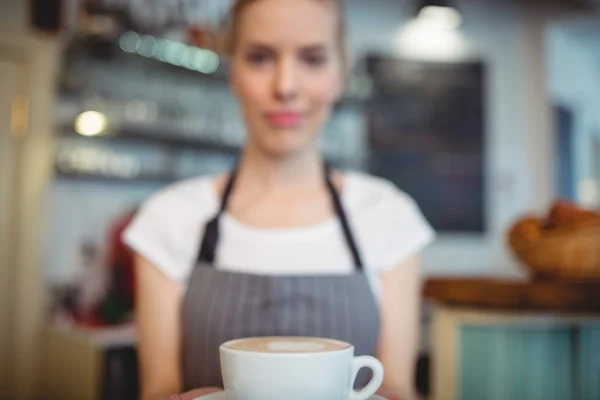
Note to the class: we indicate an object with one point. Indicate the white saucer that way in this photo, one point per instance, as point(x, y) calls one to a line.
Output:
point(221, 396)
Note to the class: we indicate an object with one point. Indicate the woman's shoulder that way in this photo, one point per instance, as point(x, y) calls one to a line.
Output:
point(370, 191)
point(166, 227)
point(389, 222)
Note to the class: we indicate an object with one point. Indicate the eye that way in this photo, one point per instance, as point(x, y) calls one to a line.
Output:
point(257, 58)
point(315, 59)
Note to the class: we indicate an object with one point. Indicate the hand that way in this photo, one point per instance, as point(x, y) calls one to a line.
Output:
point(386, 394)
point(191, 395)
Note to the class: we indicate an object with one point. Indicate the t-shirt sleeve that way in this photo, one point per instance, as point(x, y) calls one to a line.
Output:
point(164, 233)
point(406, 230)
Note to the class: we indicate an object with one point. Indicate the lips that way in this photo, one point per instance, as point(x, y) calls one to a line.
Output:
point(285, 119)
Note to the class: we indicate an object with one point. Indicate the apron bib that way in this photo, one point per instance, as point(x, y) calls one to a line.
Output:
point(220, 305)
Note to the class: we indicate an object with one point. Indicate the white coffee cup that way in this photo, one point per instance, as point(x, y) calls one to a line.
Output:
point(293, 368)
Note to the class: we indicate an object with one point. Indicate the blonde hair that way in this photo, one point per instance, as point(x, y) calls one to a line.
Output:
point(232, 23)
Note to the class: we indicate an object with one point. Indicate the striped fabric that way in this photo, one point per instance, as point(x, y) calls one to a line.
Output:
point(220, 306)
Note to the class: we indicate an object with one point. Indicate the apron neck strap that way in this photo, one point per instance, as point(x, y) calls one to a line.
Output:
point(228, 190)
point(211, 232)
point(343, 218)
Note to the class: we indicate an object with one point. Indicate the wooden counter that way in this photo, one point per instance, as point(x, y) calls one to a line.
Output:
point(514, 295)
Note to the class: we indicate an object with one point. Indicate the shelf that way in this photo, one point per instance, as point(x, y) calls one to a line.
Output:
point(94, 177)
point(104, 50)
point(172, 144)
point(131, 135)
point(172, 140)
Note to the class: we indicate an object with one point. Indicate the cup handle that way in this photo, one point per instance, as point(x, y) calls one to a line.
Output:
point(374, 365)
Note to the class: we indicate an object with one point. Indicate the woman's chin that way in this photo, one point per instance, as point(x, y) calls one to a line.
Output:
point(286, 148)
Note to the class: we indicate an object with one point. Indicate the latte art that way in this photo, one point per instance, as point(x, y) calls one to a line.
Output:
point(291, 346)
point(287, 345)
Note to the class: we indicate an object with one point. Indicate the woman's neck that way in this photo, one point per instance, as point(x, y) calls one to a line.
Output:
point(302, 169)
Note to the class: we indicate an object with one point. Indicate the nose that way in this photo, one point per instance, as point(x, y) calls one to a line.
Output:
point(285, 85)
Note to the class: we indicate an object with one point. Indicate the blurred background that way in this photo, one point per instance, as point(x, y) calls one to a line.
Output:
point(485, 111)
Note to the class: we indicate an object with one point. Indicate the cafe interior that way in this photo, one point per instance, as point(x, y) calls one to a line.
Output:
point(486, 112)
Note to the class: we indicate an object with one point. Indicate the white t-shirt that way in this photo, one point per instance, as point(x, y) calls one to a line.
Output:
point(387, 225)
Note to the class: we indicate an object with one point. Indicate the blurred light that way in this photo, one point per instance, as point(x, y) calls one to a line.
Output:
point(136, 111)
point(173, 53)
point(151, 109)
point(186, 57)
point(198, 59)
point(169, 52)
point(100, 161)
point(148, 47)
point(215, 65)
point(440, 18)
point(160, 51)
point(130, 42)
point(588, 192)
point(90, 123)
point(210, 64)
point(416, 40)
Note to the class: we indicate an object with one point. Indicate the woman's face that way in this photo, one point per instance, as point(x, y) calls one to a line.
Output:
point(286, 72)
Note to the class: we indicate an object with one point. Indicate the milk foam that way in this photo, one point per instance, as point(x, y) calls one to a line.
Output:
point(291, 346)
point(287, 345)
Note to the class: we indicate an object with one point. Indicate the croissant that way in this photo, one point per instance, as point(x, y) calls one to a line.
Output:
point(565, 214)
point(526, 231)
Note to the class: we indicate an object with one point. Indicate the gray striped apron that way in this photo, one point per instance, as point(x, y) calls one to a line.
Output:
point(220, 305)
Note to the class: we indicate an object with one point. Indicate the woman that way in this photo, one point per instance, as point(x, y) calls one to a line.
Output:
point(338, 252)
